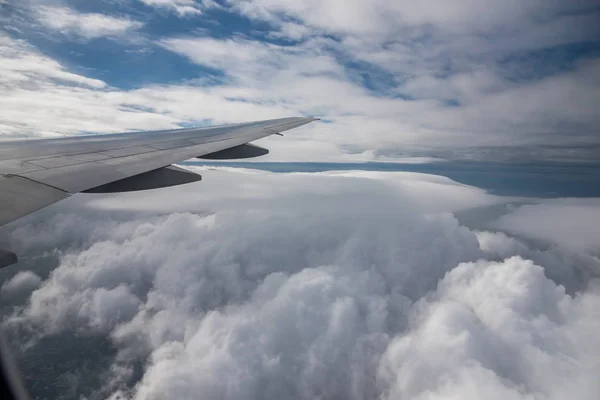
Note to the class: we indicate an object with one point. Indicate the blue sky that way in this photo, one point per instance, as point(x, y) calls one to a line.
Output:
point(391, 79)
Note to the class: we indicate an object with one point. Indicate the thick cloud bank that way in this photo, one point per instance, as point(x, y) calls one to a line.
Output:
point(571, 222)
point(500, 331)
point(333, 286)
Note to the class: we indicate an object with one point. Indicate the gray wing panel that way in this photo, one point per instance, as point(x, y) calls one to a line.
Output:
point(114, 144)
point(21, 196)
point(235, 153)
point(79, 177)
point(36, 173)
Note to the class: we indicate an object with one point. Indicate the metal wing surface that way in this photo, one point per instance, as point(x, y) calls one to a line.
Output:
point(35, 173)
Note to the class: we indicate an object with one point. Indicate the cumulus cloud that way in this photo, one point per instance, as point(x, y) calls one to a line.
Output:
point(332, 285)
point(571, 267)
point(497, 330)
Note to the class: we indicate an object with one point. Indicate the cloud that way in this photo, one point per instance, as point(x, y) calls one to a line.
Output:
point(65, 102)
point(385, 18)
point(415, 189)
point(497, 330)
point(183, 8)
point(465, 55)
point(491, 109)
point(22, 282)
point(571, 268)
point(403, 80)
point(573, 223)
point(85, 25)
point(69, 103)
point(340, 284)
point(23, 67)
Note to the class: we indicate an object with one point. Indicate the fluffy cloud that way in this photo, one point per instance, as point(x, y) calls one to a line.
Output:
point(572, 268)
point(418, 59)
point(492, 110)
point(22, 282)
point(340, 284)
point(85, 25)
point(573, 223)
point(497, 330)
point(68, 103)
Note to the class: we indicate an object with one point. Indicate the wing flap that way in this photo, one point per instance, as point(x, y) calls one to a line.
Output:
point(158, 178)
point(233, 153)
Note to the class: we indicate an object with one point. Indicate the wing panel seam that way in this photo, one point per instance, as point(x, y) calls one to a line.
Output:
point(38, 182)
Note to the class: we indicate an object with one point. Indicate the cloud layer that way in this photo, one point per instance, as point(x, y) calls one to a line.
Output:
point(391, 79)
point(332, 285)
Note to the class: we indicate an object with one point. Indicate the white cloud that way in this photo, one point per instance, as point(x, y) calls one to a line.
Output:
point(184, 8)
point(22, 67)
point(386, 18)
point(492, 110)
point(22, 282)
point(86, 25)
point(264, 188)
point(339, 284)
point(497, 330)
point(68, 103)
point(572, 268)
point(293, 31)
point(396, 101)
point(238, 265)
point(574, 223)
point(64, 102)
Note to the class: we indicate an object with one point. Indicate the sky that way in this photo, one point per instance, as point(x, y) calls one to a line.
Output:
point(339, 284)
point(391, 80)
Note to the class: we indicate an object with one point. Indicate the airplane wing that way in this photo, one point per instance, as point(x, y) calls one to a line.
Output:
point(35, 173)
